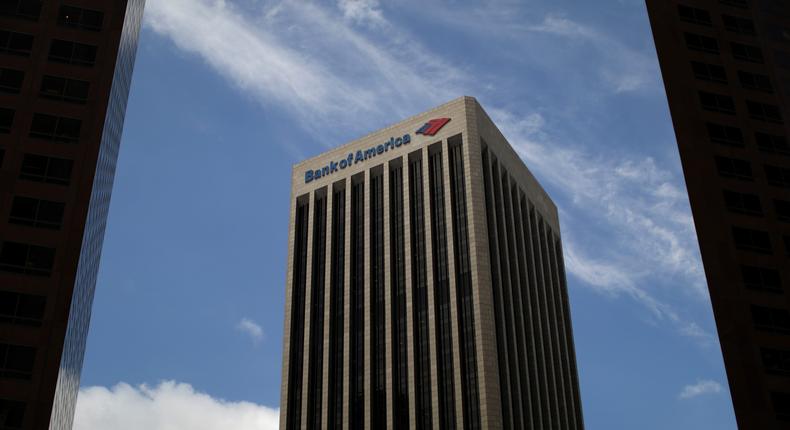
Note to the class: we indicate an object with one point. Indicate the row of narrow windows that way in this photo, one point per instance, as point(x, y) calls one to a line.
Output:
point(534, 344)
point(734, 24)
point(51, 87)
point(725, 104)
point(68, 16)
point(400, 170)
point(60, 51)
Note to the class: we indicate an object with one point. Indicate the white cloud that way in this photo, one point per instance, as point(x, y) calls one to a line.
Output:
point(251, 328)
point(362, 11)
point(699, 389)
point(624, 68)
point(642, 221)
point(168, 406)
point(304, 57)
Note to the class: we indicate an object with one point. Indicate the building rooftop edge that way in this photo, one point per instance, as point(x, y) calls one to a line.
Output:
point(444, 105)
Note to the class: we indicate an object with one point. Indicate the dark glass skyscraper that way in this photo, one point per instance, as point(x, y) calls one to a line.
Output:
point(65, 72)
point(726, 68)
point(426, 287)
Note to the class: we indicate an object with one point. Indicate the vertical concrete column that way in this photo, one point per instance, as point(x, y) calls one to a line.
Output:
point(480, 260)
point(549, 336)
point(385, 174)
point(530, 319)
point(517, 286)
point(288, 310)
point(347, 307)
point(452, 280)
point(540, 320)
point(431, 287)
point(366, 306)
point(407, 252)
point(324, 404)
point(307, 304)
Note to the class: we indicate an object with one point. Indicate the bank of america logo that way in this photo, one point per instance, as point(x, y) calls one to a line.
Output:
point(433, 126)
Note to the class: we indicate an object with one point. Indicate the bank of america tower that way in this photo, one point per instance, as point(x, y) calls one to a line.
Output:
point(426, 286)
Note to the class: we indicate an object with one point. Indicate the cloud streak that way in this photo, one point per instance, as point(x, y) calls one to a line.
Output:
point(251, 329)
point(699, 389)
point(168, 406)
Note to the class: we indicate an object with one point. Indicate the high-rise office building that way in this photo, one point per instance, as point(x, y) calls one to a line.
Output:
point(726, 68)
point(426, 285)
point(65, 71)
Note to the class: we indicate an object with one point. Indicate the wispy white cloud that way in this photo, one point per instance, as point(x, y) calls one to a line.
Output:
point(362, 11)
point(304, 57)
point(624, 68)
point(251, 328)
point(700, 388)
point(639, 211)
point(168, 406)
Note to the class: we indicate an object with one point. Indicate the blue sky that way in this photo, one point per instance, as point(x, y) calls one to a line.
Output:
point(227, 95)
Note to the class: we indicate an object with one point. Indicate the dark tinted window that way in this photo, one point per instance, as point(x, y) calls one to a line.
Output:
point(21, 309)
point(764, 112)
point(734, 168)
point(6, 120)
point(12, 414)
point(755, 81)
point(15, 43)
point(87, 19)
point(16, 361)
point(694, 15)
point(778, 176)
point(771, 319)
point(761, 278)
point(11, 80)
point(781, 404)
point(717, 102)
point(776, 361)
point(70, 90)
point(782, 210)
point(772, 144)
point(725, 135)
point(709, 72)
point(751, 240)
point(738, 24)
point(59, 129)
point(742, 203)
point(743, 4)
point(27, 259)
point(746, 52)
point(53, 170)
point(27, 9)
point(63, 51)
point(37, 213)
point(701, 43)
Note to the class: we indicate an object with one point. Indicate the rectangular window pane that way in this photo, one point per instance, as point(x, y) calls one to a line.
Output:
point(742, 203)
point(761, 278)
point(86, 19)
point(752, 240)
point(26, 259)
point(697, 42)
point(39, 168)
point(6, 120)
point(21, 309)
point(11, 80)
point(16, 43)
point(734, 168)
point(16, 361)
point(63, 51)
point(725, 135)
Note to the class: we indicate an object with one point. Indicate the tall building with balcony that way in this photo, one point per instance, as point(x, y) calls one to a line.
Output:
point(726, 69)
point(425, 286)
point(65, 72)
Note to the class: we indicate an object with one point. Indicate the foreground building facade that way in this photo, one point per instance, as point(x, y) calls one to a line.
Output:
point(426, 285)
point(726, 68)
point(65, 72)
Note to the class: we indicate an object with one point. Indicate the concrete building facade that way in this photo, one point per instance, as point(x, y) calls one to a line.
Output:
point(726, 69)
point(425, 285)
point(65, 72)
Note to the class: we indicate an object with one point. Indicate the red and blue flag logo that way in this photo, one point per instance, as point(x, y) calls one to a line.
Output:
point(433, 126)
